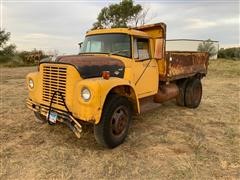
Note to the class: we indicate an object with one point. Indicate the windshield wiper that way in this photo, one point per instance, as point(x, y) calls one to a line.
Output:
point(116, 52)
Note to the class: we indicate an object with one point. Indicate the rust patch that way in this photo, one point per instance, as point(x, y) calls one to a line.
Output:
point(90, 60)
point(90, 66)
point(185, 63)
point(159, 49)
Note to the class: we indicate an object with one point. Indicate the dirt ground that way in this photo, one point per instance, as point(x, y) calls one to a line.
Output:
point(169, 143)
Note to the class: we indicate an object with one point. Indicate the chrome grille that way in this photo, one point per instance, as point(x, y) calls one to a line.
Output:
point(54, 79)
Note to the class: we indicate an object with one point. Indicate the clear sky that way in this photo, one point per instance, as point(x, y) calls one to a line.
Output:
point(60, 24)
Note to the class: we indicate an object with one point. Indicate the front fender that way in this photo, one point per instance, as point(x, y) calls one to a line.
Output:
point(107, 85)
point(34, 93)
point(99, 88)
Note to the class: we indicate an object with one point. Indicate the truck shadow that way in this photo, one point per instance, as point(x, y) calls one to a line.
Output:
point(167, 126)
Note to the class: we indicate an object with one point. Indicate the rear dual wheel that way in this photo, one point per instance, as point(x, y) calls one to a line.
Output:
point(182, 84)
point(190, 94)
point(193, 93)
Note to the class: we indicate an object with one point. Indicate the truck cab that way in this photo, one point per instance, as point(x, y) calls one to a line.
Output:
point(119, 72)
point(135, 49)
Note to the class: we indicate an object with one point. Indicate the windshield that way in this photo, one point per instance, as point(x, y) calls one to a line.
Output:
point(117, 44)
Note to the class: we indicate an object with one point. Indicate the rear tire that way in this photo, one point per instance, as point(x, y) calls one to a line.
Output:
point(193, 94)
point(113, 127)
point(40, 118)
point(180, 100)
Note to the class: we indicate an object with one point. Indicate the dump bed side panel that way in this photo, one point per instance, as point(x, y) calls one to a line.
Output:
point(185, 64)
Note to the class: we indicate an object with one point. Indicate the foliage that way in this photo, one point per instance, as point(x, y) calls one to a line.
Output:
point(4, 37)
point(207, 46)
point(11, 58)
point(32, 57)
point(14, 61)
point(140, 18)
point(6, 51)
point(118, 15)
point(229, 53)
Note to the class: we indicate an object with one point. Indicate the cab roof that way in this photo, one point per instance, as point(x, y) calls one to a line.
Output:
point(118, 30)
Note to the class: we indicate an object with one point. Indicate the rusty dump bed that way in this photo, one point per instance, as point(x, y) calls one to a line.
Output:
point(182, 64)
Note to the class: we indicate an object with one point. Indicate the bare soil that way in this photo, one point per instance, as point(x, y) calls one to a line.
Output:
point(170, 142)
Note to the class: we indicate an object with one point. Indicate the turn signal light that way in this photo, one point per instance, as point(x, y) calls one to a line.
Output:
point(106, 75)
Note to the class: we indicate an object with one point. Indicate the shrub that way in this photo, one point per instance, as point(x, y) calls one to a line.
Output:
point(14, 61)
point(207, 46)
point(229, 53)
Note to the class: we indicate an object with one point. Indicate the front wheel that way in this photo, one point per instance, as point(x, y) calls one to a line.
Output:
point(113, 127)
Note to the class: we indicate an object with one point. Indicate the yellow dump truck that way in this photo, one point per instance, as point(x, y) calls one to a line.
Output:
point(118, 73)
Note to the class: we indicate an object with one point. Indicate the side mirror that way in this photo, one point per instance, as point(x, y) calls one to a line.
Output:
point(80, 46)
point(159, 49)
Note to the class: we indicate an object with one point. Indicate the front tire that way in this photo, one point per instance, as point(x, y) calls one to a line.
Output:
point(113, 127)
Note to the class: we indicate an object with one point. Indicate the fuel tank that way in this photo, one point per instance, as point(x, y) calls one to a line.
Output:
point(166, 92)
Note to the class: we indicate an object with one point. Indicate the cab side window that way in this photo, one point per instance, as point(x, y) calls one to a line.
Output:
point(141, 49)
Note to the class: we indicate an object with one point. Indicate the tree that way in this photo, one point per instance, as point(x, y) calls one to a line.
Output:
point(5, 49)
point(207, 46)
point(140, 18)
point(118, 15)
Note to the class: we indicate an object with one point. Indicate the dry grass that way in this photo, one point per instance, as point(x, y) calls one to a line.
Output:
point(169, 143)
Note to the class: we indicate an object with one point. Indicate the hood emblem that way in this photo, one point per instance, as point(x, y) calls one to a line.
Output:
point(116, 73)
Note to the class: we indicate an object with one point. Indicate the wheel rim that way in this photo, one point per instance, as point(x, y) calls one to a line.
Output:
point(119, 121)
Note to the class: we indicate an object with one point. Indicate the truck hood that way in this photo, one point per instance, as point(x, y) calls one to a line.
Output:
point(90, 66)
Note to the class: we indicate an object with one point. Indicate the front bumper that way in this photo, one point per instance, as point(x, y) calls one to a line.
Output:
point(63, 116)
point(43, 109)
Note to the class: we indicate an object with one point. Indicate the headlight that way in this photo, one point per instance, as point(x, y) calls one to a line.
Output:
point(30, 83)
point(86, 94)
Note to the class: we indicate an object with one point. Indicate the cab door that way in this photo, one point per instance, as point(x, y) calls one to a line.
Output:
point(144, 67)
